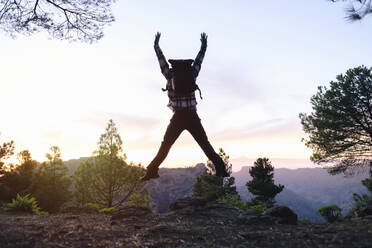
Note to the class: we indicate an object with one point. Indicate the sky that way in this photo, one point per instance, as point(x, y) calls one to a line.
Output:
point(264, 61)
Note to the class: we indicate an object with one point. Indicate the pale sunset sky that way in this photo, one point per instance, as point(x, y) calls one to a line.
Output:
point(264, 61)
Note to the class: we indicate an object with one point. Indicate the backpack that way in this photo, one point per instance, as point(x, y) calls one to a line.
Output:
point(183, 81)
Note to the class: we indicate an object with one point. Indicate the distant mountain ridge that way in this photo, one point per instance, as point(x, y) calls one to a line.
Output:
point(306, 189)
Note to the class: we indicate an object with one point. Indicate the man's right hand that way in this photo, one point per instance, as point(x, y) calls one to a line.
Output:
point(157, 38)
point(203, 39)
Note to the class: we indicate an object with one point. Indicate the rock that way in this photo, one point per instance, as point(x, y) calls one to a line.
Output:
point(255, 220)
point(285, 214)
point(131, 211)
point(188, 202)
point(78, 210)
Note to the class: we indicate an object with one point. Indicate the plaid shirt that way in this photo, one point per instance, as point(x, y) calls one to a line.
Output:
point(179, 102)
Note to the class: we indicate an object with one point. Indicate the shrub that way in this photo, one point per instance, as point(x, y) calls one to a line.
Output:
point(107, 210)
point(362, 205)
point(304, 220)
point(24, 204)
point(234, 201)
point(98, 209)
point(259, 208)
point(138, 199)
point(330, 212)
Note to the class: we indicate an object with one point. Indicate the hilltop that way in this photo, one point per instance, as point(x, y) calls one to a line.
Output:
point(191, 222)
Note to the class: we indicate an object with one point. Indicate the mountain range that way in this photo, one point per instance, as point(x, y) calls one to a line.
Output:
point(306, 189)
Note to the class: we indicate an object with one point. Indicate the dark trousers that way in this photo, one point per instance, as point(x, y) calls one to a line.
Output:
point(189, 120)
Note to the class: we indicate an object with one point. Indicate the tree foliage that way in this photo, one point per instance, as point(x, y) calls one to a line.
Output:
point(51, 185)
point(330, 212)
point(262, 183)
point(211, 187)
point(358, 9)
point(19, 178)
point(6, 150)
point(106, 179)
point(363, 203)
point(340, 126)
point(71, 20)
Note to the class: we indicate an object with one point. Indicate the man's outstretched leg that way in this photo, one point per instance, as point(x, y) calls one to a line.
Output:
point(174, 130)
point(197, 131)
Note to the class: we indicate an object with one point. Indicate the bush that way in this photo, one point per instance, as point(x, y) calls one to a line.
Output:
point(362, 205)
point(107, 210)
point(98, 209)
point(234, 201)
point(259, 208)
point(138, 199)
point(304, 220)
point(330, 212)
point(24, 204)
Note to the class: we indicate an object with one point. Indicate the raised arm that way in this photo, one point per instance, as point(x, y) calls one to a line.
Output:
point(199, 58)
point(162, 61)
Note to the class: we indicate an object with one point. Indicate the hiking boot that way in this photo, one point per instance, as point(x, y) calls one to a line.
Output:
point(221, 172)
point(150, 173)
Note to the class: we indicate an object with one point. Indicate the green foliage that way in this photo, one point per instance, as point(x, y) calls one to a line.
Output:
point(259, 208)
point(330, 212)
point(363, 203)
point(339, 127)
point(262, 183)
point(19, 178)
point(234, 201)
point(98, 209)
point(83, 183)
point(368, 181)
point(107, 180)
point(107, 210)
point(92, 206)
point(24, 204)
point(51, 183)
point(304, 220)
point(142, 200)
point(211, 187)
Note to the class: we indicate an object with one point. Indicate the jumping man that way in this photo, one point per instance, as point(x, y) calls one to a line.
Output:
point(181, 92)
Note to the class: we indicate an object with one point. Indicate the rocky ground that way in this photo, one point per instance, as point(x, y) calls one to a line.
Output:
point(192, 222)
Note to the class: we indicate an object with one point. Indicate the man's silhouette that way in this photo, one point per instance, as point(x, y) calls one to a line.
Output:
point(185, 116)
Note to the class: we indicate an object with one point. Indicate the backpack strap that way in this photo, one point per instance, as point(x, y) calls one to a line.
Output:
point(197, 88)
point(200, 94)
point(166, 88)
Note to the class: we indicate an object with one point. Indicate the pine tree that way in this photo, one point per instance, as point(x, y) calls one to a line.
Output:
point(339, 128)
point(107, 179)
point(262, 183)
point(211, 187)
point(51, 185)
